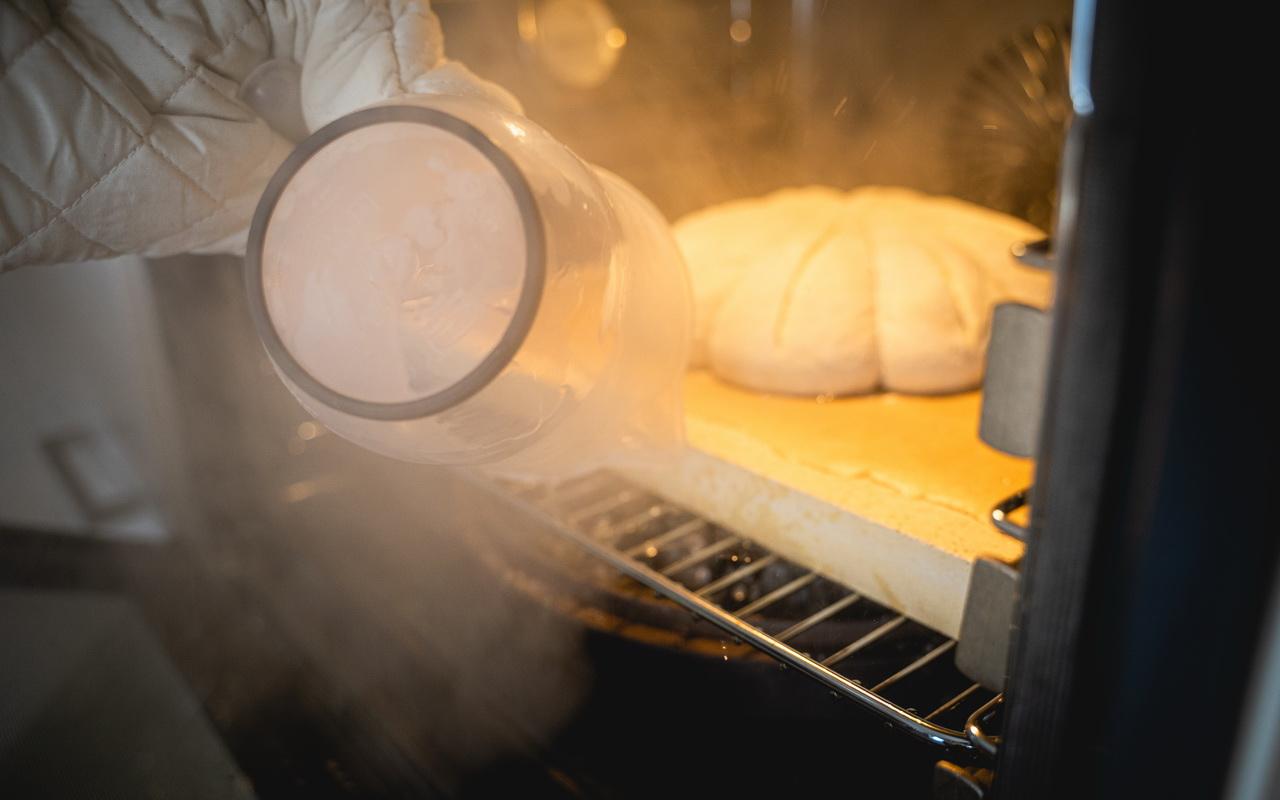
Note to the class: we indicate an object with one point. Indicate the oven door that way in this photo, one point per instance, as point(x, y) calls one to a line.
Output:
point(1153, 549)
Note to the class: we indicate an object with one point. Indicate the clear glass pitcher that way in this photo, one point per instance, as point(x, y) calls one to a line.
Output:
point(440, 280)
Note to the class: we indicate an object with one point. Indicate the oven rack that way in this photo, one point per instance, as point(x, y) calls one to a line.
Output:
point(583, 511)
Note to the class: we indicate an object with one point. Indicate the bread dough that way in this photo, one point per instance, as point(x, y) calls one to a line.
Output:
point(725, 240)
point(819, 292)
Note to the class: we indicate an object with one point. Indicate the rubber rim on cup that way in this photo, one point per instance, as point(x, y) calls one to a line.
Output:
point(521, 320)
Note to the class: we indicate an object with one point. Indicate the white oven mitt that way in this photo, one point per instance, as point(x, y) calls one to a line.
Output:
point(120, 127)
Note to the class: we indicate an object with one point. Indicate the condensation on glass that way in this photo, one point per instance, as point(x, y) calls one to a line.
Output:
point(442, 281)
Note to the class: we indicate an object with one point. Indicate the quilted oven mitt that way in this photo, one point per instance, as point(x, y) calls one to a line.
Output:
point(120, 127)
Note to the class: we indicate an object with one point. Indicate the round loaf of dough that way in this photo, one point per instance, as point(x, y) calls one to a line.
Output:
point(814, 291)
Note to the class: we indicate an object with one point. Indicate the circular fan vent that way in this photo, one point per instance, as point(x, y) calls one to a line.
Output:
point(1009, 123)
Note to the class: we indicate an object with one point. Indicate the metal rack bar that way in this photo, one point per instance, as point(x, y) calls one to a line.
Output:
point(678, 532)
point(635, 522)
point(848, 650)
point(1000, 514)
point(601, 506)
point(702, 554)
point(920, 662)
point(789, 588)
point(953, 702)
point(818, 617)
point(737, 575)
point(635, 562)
point(572, 490)
point(982, 741)
point(626, 563)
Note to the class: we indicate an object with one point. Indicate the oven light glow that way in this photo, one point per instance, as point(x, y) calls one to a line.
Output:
point(300, 491)
point(527, 22)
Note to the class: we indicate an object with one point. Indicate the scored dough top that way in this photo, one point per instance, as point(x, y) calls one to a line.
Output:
point(820, 292)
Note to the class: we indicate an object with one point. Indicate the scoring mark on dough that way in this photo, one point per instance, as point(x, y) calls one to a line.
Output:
point(797, 273)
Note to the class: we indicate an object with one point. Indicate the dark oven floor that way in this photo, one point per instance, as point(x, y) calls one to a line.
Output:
point(333, 663)
point(328, 611)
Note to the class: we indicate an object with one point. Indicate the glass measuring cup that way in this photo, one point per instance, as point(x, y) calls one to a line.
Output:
point(439, 280)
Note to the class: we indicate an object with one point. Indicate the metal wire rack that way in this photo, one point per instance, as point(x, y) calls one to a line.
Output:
point(703, 567)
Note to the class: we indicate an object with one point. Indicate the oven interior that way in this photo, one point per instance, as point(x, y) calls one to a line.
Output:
point(358, 627)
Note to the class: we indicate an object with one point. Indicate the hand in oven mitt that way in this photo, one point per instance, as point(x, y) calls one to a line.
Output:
point(122, 131)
